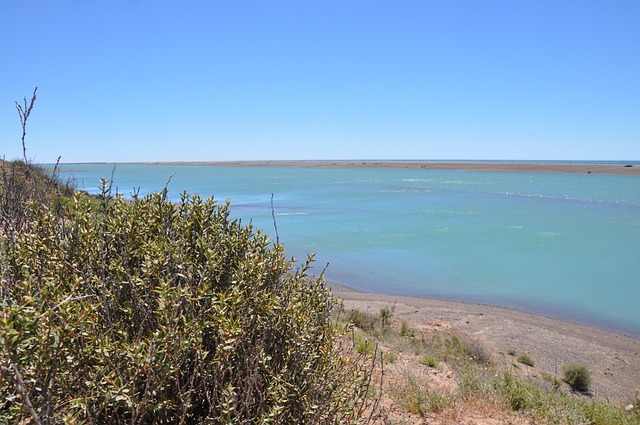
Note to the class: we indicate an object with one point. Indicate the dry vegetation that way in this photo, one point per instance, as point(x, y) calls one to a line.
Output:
point(437, 374)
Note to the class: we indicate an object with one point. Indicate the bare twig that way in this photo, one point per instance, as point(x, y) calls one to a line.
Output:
point(165, 190)
point(25, 395)
point(275, 225)
point(24, 111)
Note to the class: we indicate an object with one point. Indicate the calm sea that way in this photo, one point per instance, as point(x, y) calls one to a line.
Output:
point(566, 246)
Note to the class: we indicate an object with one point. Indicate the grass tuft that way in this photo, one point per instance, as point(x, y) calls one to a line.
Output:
point(578, 377)
point(526, 360)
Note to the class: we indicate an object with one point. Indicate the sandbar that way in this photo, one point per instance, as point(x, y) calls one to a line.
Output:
point(554, 167)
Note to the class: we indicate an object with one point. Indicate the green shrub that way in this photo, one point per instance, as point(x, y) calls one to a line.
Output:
point(429, 361)
point(406, 331)
point(577, 376)
point(364, 345)
point(453, 349)
point(525, 359)
point(518, 395)
point(385, 317)
point(144, 311)
point(362, 320)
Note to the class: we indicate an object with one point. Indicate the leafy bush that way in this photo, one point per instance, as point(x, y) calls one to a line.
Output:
point(143, 311)
point(577, 376)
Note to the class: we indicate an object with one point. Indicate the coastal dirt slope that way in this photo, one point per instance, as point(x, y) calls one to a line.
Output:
point(613, 359)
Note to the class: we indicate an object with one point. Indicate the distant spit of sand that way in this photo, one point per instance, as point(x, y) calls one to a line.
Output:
point(626, 169)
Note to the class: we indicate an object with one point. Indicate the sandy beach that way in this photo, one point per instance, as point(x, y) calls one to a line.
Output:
point(626, 169)
point(613, 359)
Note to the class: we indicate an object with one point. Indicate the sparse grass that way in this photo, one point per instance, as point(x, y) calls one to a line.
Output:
point(519, 395)
point(526, 360)
point(478, 379)
point(390, 357)
point(362, 320)
point(456, 351)
point(560, 407)
point(363, 344)
point(553, 380)
point(391, 338)
point(416, 396)
point(473, 378)
point(406, 331)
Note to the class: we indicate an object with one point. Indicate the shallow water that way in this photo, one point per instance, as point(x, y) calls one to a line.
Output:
point(567, 246)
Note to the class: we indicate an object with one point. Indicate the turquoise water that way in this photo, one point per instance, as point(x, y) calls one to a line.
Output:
point(567, 246)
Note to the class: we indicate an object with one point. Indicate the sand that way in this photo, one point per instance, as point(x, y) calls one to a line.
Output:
point(627, 169)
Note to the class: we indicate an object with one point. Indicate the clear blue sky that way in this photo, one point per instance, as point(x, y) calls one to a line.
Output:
point(140, 80)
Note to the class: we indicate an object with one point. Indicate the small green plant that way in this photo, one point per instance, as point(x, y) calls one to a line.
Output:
point(553, 380)
point(519, 395)
point(364, 345)
point(362, 320)
point(453, 349)
point(385, 317)
point(406, 331)
point(526, 360)
point(428, 360)
point(578, 377)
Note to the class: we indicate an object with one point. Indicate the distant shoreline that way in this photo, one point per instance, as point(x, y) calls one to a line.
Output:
point(631, 168)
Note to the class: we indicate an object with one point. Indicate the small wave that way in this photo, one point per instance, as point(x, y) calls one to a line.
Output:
point(550, 234)
point(417, 190)
point(292, 213)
